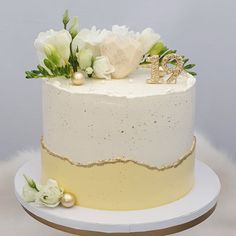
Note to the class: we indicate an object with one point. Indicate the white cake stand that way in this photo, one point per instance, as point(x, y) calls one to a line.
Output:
point(187, 212)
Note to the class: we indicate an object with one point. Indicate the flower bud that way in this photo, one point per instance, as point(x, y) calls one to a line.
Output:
point(89, 70)
point(84, 57)
point(74, 27)
point(66, 18)
point(102, 67)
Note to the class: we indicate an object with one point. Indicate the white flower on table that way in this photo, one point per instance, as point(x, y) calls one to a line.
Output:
point(30, 190)
point(29, 193)
point(50, 194)
point(102, 67)
point(148, 38)
point(54, 45)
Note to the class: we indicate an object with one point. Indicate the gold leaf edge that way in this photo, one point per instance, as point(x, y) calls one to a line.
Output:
point(122, 159)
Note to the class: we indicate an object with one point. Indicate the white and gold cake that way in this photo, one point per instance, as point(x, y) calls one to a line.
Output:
point(123, 139)
point(120, 144)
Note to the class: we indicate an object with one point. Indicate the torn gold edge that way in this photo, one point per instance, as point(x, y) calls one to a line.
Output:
point(123, 159)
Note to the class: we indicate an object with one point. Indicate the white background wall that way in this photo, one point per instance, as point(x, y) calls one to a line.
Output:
point(205, 31)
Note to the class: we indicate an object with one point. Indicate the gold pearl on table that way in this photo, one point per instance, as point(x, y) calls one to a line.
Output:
point(68, 200)
point(78, 78)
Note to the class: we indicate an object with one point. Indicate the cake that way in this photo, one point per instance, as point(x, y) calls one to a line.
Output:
point(123, 139)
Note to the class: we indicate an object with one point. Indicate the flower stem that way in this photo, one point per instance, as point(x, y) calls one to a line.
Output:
point(72, 59)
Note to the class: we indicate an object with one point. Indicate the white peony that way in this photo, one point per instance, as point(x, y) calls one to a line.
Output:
point(50, 194)
point(29, 193)
point(102, 67)
point(123, 50)
point(123, 31)
point(148, 38)
point(53, 42)
point(90, 39)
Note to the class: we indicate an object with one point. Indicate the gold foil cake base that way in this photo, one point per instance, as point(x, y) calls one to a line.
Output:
point(121, 184)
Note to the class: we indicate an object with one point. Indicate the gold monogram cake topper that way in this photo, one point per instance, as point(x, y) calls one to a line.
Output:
point(157, 71)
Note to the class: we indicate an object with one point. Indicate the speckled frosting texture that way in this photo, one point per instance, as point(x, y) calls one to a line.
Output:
point(119, 118)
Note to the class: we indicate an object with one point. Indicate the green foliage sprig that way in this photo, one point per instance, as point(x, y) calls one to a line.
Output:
point(161, 50)
point(51, 71)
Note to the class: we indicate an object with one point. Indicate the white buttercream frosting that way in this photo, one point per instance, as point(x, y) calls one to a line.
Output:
point(150, 123)
point(131, 87)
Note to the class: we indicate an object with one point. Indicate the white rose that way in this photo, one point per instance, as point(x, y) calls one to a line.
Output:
point(102, 67)
point(50, 194)
point(53, 42)
point(148, 38)
point(91, 39)
point(28, 193)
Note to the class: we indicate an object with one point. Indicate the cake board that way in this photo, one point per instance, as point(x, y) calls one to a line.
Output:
point(174, 217)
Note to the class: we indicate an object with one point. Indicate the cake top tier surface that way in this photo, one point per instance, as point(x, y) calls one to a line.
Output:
point(133, 86)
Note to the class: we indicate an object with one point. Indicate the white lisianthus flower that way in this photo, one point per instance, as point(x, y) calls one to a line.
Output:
point(90, 38)
point(102, 67)
point(29, 193)
point(54, 43)
point(84, 57)
point(50, 194)
point(148, 38)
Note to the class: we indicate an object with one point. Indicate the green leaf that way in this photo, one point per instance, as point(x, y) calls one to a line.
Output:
point(192, 73)
point(36, 72)
point(43, 70)
point(157, 49)
point(167, 52)
point(50, 65)
point(186, 60)
point(28, 75)
point(189, 66)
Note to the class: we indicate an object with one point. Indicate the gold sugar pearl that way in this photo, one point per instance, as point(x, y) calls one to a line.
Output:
point(68, 200)
point(78, 78)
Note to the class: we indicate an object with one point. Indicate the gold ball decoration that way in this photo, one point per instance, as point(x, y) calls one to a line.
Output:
point(78, 78)
point(68, 200)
